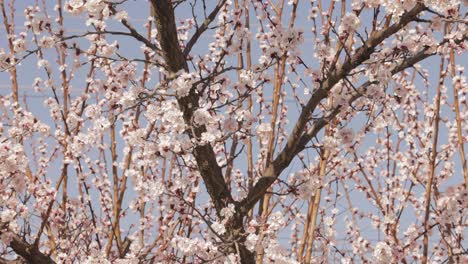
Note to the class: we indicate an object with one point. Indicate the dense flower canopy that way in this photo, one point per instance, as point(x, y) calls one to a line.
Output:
point(233, 131)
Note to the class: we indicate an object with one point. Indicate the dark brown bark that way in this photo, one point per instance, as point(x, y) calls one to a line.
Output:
point(335, 75)
point(300, 136)
point(204, 155)
point(287, 154)
point(16, 261)
point(175, 61)
point(28, 252)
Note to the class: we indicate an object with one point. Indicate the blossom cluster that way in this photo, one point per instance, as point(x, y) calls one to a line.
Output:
point(341, 128)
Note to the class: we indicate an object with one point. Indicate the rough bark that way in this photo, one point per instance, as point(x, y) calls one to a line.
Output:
point(28, 252)
point(334, 76)
point(204, 155)
point(301, 134)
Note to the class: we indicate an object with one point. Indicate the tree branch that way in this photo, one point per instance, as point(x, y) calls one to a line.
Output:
point(298, 140)
point(6, 261)
point(28, 252)
point(203, 28)
point(204, 155)
point(175, 61)
point(135, 33)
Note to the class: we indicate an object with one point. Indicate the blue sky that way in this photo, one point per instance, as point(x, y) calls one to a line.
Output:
point(138, 12)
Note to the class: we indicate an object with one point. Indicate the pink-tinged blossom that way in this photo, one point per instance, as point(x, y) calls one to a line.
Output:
point(191, 246)
point(129, 98)
point(19, 45)
point(115, 172)
point(275, 253)
point(95, 6)
point(183, 84)
point(121, 15)
point(346, 135)
point(231, 124)
point(202, 117)
point(228, 211)
point(349, 23)
point(218, 228)
point(263, 132)
point(106, 49)
point(46, 42)
point(313, 13)
point(383, 253)
point(6, 237)
point(38, 24)
point(251, 242)
point(5, 60)
point(75, 7)
point(7, 216)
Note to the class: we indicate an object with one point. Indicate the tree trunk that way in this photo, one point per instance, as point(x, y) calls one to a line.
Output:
point(204, 155)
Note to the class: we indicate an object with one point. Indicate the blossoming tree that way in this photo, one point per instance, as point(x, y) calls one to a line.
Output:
point(235, 132)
